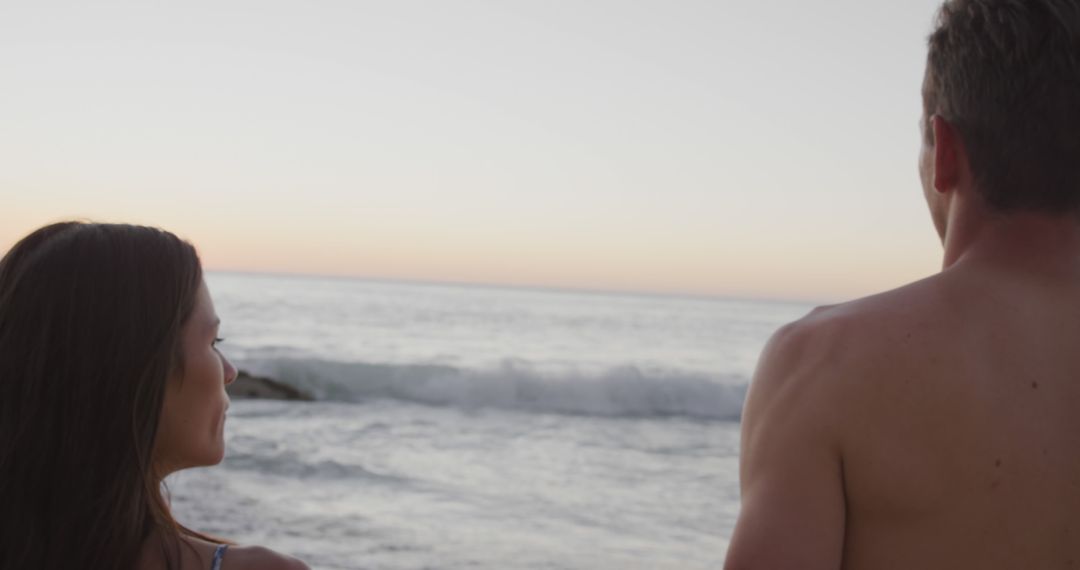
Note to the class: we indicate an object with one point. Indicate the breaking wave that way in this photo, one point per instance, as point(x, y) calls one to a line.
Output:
point(625, 391)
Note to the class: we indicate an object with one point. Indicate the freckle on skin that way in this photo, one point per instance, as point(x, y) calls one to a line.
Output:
point(1034, 385)
point(995, 485)
point(997, 463)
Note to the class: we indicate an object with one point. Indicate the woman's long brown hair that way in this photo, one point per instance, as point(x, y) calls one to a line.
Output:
point(90, 323)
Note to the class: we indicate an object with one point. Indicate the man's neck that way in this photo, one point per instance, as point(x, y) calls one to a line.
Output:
point(1037, 243)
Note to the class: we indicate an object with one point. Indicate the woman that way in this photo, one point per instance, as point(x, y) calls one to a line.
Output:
point(110, 380)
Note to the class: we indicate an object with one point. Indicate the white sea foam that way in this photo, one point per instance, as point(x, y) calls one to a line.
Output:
point(515, 385)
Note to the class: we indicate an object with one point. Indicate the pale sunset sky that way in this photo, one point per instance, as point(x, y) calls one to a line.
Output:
point(753, 149)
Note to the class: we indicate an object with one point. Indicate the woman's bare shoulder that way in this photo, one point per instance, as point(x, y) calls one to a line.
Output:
point(259, 558)
point(197, 554)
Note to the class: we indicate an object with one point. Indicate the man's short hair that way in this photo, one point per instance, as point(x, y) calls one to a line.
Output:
point(1006, 75)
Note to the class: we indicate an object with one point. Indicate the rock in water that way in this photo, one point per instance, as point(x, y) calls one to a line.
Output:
point(248, 386)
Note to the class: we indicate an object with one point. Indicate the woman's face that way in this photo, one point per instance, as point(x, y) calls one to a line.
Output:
point(191, 429)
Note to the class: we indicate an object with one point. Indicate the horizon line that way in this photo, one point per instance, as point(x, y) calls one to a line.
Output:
point(528, 287)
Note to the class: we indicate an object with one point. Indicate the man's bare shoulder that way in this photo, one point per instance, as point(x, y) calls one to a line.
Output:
point(796, 425)
point(876, 321)
point(914, 299)
point(833, 353)
point(260, 558)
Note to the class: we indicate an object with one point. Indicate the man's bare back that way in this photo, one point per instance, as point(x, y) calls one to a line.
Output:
point(961, 422)
point(933, 426)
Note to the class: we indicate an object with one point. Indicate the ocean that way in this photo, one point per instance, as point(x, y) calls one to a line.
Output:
point(480, 427)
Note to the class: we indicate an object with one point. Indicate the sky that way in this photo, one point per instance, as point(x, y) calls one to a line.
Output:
point(748, 149)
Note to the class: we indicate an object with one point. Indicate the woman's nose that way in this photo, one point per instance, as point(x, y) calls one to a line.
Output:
point(230, 370)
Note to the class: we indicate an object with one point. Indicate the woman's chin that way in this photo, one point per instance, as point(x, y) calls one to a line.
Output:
point(212, 454)
point(218, 455)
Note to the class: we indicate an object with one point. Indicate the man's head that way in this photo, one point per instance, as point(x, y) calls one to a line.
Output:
point(1005, 76)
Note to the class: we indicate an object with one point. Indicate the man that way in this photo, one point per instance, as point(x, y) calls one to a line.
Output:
point(937, 426)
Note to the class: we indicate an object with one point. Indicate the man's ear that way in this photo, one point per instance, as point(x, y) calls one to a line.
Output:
point(950, 160)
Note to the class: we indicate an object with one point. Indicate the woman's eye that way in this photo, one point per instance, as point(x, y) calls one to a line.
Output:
point(217, 341)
